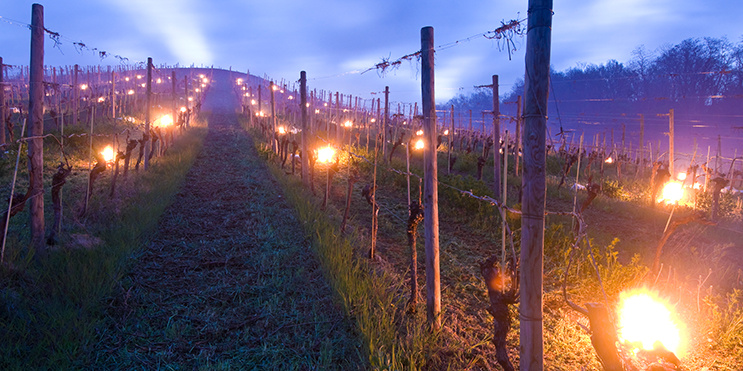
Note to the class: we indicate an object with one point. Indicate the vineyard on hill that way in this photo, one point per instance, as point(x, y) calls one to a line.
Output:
point(205, 218)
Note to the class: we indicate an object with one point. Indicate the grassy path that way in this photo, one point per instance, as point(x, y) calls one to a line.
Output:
point(229, 281)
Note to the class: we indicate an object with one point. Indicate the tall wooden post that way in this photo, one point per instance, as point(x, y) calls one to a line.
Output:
point(274, 140)
point(2, 103)
point(260, 91)
point(148, 104)
point(305, 128)
point(670, 142)
point(113, 95)
point(75, 95)
point(36, 129)
point(642, 144)
point(450, 140)
point(385, 120)
point(431, 195)
point(538, 41)
point(496, 141)
point(175, 97)
point(518, 134)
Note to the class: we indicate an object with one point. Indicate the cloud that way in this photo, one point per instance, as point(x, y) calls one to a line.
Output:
point(177, 25)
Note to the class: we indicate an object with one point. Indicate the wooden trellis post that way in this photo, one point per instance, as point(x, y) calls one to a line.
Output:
point(148, 104)
point(642, 144)
point(431, 196)
point(496, 141)
point(36, 129)
point(518, 134)
point(2, 103)
point(305, 128)
point(538, 40)
point(385, 120)
point(274, 139)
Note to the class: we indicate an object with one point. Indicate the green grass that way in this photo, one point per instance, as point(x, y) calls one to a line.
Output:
point(49, 307)
point(372, 297)
point(623, 230)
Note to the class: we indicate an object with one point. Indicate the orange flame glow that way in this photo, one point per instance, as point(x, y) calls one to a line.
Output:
point(672, 192)
point(419, 144)
point(325, 154)
point(645, 320)
point(166, 121)
point(108, 154)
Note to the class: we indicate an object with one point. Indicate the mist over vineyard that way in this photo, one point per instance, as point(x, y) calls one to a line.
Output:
point(700, 78)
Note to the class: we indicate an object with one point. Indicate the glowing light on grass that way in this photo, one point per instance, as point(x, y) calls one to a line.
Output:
point(672, 192)
point(681, 176)
point(373, 120)
point(190, 99)
point(126, 79)
point(446, 132)
point(130, 92)
point(317, 111)
point(205, 80)
point(83, 86)
point(325, 154)
point(419, 132)
point(645, 320)
point(348, 124)
point(108, 154)
point(159, 81)
point(419, 144)
point(143, 85)
point(239, 81)
point(282, 130)
point(609, 160)
point(139, 77)
point(253, 102)
point(184, 109)
point(101, 99)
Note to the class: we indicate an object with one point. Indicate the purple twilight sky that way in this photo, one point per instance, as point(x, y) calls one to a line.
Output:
point(334, 40)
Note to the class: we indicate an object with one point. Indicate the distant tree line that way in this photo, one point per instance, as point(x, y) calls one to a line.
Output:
point(700, 78)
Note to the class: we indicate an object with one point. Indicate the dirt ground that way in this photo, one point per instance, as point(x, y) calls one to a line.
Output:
point(229, 280)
